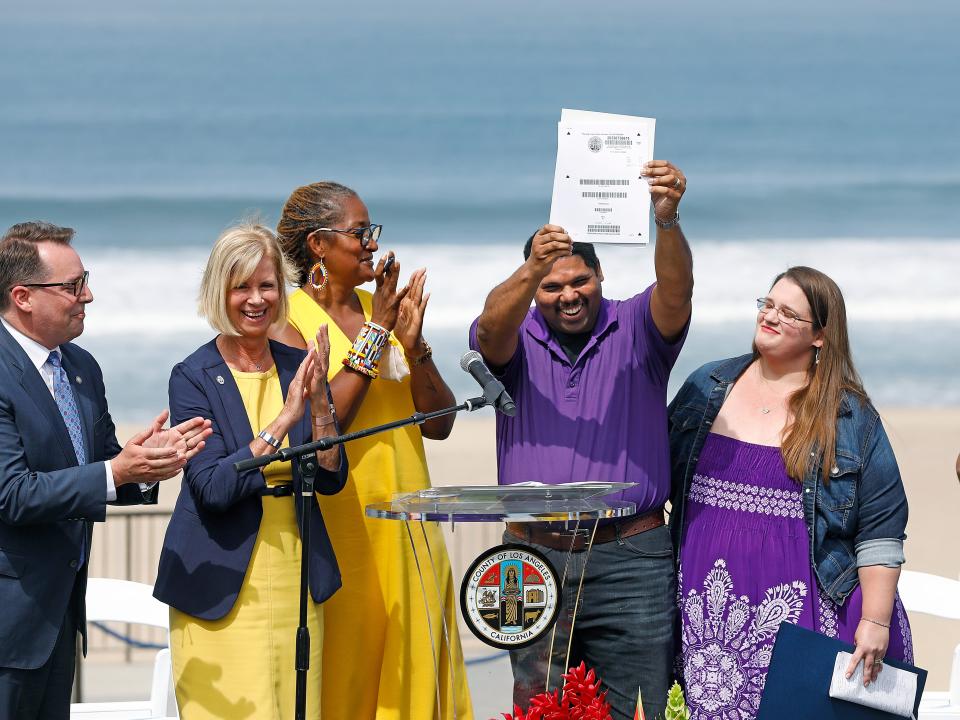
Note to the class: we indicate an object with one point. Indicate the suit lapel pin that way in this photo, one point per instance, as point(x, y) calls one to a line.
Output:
point(220, 379)
point(79, 380)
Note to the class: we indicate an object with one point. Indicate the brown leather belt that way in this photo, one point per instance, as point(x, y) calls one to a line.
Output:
point(577, 540)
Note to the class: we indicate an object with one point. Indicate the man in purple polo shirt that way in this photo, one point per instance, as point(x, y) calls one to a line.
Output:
point(589, 377)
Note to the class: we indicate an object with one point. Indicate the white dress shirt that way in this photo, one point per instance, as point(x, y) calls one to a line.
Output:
point(38, 355)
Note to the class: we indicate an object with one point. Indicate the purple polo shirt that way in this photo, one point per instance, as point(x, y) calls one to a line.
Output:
point(604, 418)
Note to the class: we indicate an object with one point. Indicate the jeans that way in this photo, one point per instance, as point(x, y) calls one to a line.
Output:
point(624, 625)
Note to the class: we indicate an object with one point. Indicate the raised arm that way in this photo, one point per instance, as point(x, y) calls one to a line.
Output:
point(673, 262)
point(430, 391)
point(508, 303)
point(349, 387)
point(323, 416)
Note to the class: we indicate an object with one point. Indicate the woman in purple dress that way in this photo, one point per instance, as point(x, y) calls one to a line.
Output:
point(788, 504)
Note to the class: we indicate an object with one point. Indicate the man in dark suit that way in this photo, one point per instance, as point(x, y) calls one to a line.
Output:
point(60, 464)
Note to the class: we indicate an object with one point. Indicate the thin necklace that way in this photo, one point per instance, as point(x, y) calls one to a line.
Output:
point(257, 365)
point(764, 410)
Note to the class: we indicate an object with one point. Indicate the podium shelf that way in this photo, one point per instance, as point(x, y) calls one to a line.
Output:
point(460, 509)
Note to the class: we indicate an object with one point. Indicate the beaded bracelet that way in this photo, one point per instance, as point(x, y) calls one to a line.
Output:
point(364, 356)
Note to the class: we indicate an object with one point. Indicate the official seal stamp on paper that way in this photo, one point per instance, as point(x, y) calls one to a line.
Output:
point(510, 596)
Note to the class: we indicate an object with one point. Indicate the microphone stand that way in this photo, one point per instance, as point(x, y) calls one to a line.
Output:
point(306, 457)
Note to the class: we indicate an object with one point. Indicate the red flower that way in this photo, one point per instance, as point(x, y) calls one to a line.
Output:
point(581, 700)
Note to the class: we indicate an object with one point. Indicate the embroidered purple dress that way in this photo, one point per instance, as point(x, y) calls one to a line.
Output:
point(744, 569)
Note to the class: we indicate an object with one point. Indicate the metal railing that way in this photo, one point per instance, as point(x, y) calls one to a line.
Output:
point(127, 546)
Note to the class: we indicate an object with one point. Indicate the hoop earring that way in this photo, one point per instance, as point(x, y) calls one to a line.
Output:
point(324, 275)
point(816, 356)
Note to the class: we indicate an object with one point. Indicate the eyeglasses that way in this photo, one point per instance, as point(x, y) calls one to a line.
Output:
point(365, 235)
point(75, 286)
point(788, 317)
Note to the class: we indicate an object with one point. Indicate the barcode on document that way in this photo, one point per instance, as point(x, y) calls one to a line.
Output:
point(619, 141)
point(603, 229)
point(604, 182)
point(603, 195)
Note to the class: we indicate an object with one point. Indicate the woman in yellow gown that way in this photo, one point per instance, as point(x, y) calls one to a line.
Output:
point(378, 632)
point(230, 565)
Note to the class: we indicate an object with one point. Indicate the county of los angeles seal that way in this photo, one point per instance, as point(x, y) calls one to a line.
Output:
point(510, 596)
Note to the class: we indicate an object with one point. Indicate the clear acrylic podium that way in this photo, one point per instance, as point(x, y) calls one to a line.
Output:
point(572, 507)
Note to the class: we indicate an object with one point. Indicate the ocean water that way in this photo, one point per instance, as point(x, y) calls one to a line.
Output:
point(823, 134)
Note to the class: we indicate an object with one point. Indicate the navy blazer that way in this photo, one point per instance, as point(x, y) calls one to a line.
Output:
point(214, 526)
point(47, 501)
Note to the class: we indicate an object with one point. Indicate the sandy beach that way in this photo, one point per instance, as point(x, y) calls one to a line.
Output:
point(926, 442)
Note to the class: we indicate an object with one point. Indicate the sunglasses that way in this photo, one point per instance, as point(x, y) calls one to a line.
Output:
point(365, 235)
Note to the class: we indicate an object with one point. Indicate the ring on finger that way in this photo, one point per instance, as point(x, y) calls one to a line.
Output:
point(878, 662)
point(677, 184)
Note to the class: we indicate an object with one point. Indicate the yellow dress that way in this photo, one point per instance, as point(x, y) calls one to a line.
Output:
point(242, 665)
point(377, 634)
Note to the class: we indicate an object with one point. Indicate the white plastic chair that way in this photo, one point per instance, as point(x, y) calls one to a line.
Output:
point(111, 600)
point(939, 596)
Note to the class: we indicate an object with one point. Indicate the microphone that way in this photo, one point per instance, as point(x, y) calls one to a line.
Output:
point(493, 389)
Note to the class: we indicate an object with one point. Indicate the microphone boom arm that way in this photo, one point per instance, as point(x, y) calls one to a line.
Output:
point(298, 451)
point(305, 455)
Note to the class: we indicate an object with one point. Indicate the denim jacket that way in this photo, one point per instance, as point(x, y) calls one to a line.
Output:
point(854, 520)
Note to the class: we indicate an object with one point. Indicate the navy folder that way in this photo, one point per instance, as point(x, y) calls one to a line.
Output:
point(798, 681)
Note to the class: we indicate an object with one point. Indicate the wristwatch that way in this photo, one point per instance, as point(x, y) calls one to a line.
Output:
point(269, 439)
point(667, 224)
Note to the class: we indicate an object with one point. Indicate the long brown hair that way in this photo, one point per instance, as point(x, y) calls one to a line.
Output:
point(813, 433)
point(309, 207)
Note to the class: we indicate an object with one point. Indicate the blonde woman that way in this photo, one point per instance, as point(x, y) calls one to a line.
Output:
point(230, 565)
point(381, 369)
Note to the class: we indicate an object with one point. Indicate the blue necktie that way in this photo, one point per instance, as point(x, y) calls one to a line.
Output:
point(63, 394)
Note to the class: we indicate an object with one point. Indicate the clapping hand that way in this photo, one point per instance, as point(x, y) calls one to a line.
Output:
point(386, 298)
point(309, 383)
point(159, 453)
point(409, 328)
point(297, 393)
point(188, 437)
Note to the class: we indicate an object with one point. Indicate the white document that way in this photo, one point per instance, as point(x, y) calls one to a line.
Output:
point(893, 691)
point(598, 193)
